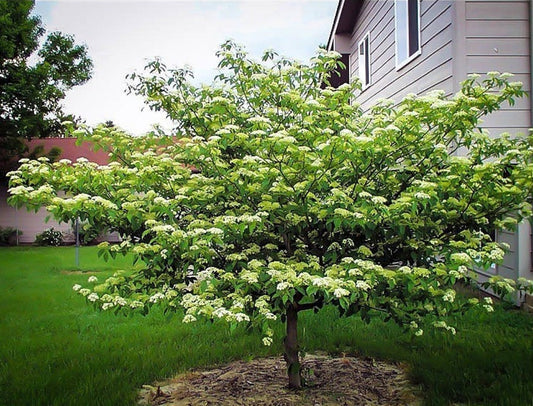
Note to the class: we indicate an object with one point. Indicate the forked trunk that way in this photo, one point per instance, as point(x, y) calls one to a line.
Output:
point(291, 349)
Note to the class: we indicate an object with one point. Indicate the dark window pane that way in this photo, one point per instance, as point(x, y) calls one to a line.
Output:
point(367, 61)
point(412, 10)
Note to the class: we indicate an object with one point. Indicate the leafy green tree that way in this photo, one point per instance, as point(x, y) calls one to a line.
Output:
point(31, 93)
point(276, 196)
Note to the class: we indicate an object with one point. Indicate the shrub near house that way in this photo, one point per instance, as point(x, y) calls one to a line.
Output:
point(8, 235)
point(298, 199)
point(50, 236)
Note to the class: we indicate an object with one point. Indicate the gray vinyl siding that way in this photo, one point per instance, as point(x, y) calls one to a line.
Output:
point(509, 267)
point(443, 64)
point(457, 38)
point(433, 69)
point(497, 39)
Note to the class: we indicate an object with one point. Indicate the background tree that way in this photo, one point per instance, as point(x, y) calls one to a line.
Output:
point(31, 92)
point(277, 196)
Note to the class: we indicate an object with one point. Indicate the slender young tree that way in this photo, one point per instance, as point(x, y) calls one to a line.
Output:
point(276, 194)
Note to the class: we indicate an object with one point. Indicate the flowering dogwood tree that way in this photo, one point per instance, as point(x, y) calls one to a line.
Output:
point(277, 194)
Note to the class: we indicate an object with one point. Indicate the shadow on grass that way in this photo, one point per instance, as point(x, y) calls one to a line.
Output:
point(488, 361)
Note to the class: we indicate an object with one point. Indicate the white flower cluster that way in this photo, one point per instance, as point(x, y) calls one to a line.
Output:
point(134, 304)
point(525, 284)
point(283, 285)
point(239, 317)
point(461, 258)
point(132, 205)
point(108, 301)
point(19, 190)
point(221, 312)
point(506, 285)
point(363, 285)
point(156, 297)
point(259, 119)
point(340, 292)
point(264, 309)
point(189, 318)
point(422, 196)
point(325, 282)
point(163, 228)
point(488, 304)
point(496, 255)
point(106, 204)
point(347, 214)
point(267, 341)
point(443, 325)
point(249, 276)
point(414, 326)
point(449, 296)
point(201, 231)
point(160, 200)
point(245, 218)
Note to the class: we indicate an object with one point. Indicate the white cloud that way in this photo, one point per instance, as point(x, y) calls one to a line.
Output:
point(122, 35)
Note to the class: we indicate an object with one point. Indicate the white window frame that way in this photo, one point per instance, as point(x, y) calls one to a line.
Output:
point(401, 64)
point(365, 63)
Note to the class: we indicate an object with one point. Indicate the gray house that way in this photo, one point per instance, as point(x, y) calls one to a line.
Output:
point(398, 47)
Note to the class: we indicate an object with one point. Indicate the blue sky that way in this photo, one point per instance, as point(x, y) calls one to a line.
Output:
point(122, 34)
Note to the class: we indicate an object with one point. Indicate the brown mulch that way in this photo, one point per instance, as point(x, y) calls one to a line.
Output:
point(329, 382)
point(78, 272)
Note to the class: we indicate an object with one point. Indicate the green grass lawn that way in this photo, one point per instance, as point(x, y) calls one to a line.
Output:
point(56, 350)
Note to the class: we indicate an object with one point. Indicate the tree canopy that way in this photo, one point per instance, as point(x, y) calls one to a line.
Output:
point(34, 77)
point(276, 194)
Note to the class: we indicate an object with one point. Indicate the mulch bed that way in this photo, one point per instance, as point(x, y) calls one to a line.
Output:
point(329, 382)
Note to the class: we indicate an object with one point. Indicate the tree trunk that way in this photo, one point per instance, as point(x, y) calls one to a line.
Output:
point(291, 348)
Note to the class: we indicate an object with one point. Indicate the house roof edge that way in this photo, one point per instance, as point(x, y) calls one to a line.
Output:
point(345, 19)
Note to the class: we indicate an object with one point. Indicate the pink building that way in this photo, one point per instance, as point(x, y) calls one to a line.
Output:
point(31, 223)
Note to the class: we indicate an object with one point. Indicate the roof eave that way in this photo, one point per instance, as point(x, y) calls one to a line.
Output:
point(345, 19)
point(335, 24)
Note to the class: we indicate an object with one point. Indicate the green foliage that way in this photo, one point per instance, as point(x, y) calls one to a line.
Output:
point(276, 193)
point(38, 151)
point(17, 150)
point(31, 92)
point(50, 236)
point(88, 234)
point(8, 235)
